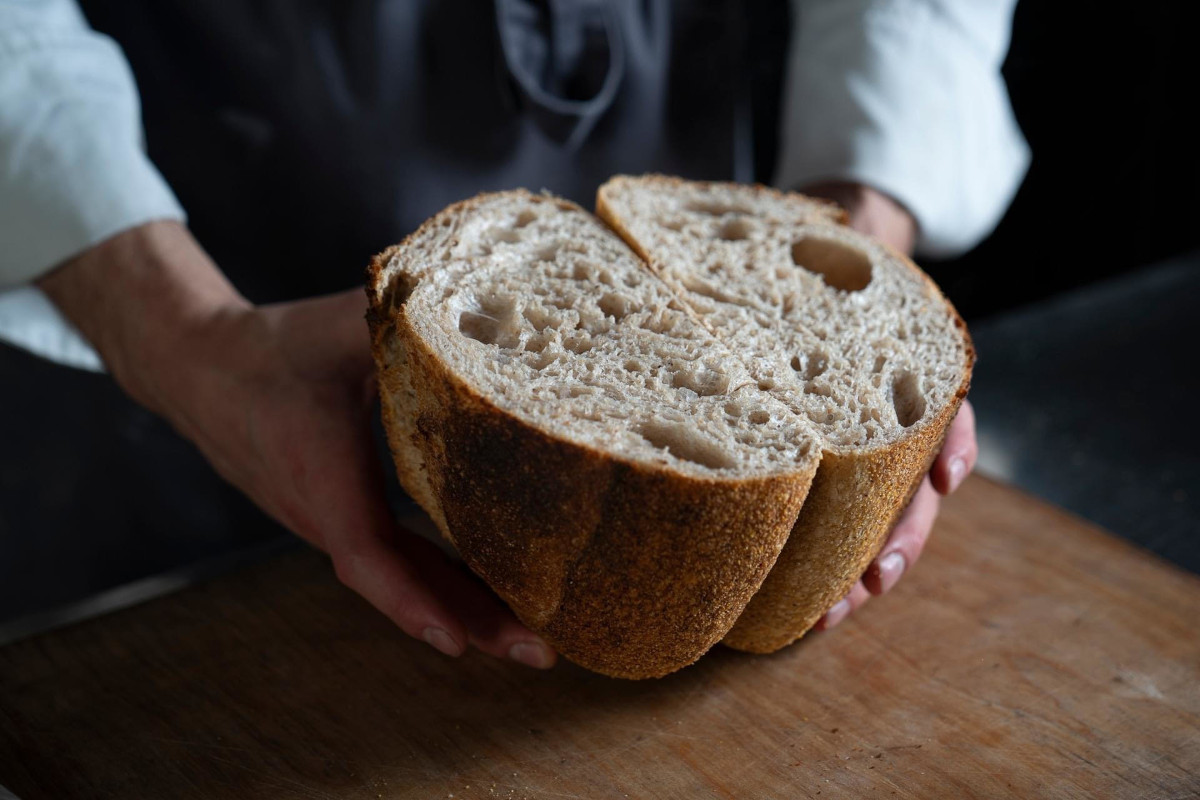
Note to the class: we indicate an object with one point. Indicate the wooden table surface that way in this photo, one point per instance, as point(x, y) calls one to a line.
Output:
point(1028, 655)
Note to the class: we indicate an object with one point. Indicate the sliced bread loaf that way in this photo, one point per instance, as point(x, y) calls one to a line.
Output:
point(622, 452)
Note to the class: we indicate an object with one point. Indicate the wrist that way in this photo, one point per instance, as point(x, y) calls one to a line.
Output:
point(870, 211)
point(145, 299)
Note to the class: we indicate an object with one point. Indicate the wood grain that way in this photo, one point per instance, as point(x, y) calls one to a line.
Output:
point(1028, 655)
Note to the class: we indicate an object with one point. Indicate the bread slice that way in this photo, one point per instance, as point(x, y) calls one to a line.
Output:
point(593, 452)
point(846, 332)
point(619, 451)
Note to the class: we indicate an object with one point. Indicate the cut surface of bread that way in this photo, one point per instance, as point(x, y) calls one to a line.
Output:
point(618, 432)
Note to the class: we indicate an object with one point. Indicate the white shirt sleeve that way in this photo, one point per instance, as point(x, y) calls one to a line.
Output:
point(906, 96)
point(73, 171)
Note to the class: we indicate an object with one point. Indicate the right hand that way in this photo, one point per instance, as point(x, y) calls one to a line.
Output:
point(278, 399)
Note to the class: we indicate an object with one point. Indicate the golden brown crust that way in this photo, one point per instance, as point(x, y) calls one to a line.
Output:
point(854, 501)
point(629, 570)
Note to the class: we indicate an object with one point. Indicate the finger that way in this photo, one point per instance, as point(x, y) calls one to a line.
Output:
point(331, 331)
point(906, 541)
point(428, 595)
point(348, 315)
point(491, 626)
point(389, 580)
point(842, 609)
point(374, 558)
point(959, 452)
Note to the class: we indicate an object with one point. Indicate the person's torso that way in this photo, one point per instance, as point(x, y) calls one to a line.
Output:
point(303, 136)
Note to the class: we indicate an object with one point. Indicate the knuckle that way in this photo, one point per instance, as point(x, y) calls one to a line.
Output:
point(344, 568)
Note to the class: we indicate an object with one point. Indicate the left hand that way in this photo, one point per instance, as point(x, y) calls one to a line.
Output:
point(279, 399)
point(878, 215)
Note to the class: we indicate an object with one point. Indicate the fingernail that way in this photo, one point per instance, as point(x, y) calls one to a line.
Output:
point(442, 640)
point(958, 471)
point(836, 614)
point(891, 567)
point(531, 654)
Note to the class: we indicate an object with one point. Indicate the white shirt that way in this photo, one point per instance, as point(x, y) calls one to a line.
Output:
point(902, 95)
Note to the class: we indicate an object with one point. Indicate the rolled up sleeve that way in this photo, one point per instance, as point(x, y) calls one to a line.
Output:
point(906, 96)
point(73, 170)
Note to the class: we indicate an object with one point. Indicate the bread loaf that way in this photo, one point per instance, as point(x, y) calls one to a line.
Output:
point(617, 425)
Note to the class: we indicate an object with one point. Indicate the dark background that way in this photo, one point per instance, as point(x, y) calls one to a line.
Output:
point(1103, 93)
point(1060, 299)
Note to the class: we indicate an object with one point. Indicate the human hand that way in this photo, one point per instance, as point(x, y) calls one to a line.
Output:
point(878, 215)
point(278, 399)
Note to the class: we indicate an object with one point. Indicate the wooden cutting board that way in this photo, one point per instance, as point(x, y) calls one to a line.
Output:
point(1028, 655)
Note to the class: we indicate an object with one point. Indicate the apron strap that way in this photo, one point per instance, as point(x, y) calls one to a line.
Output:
point(566, 59)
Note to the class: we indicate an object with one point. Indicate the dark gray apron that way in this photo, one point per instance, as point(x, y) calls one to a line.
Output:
point(303, 136)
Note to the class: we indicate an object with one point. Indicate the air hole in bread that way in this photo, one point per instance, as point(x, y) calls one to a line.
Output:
point(398, 291)
point(615, 305)
point(839, 265)
point(717, 208)
point(504, 235)
point(812, 365)
point(524, 218)
point(547, 252)
point(539, 360)
point(766, 385)
point(578, 345)
point(492, 320)
point(703, 381)
point(907, 397)
point(537, 343)
point(683, 442)
point(540, 318)
point(819, 389)
point(735, 230)
point(880, 361)
point(760, 416)
point(671, 224)
point(633, 365)
point(733, 409)
point(656, 323)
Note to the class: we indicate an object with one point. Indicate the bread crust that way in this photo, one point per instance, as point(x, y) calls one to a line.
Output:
point(855, 500)
point(627, 569)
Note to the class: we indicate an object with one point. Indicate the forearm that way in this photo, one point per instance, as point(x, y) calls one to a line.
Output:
point(905, 96)
point(140, 298)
